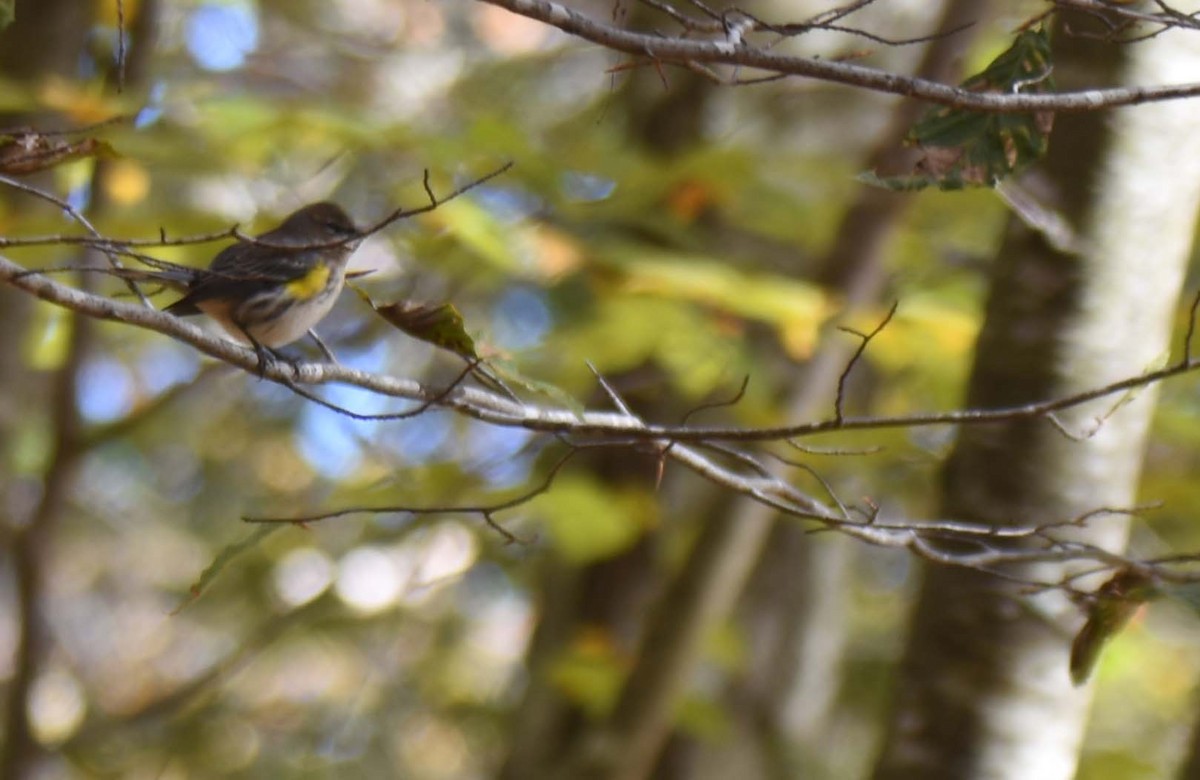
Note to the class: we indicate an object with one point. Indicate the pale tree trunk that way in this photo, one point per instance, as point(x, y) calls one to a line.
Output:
point(984, 691)
point(1191, 765)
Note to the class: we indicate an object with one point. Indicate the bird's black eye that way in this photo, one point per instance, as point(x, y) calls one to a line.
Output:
point(341, 227)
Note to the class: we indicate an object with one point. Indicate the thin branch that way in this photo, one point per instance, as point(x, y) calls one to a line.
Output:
point(1191, 327)
point(734, 23)
point(1130, 14)
point(495, 409)
point(426, 405)
point(733, 401)
point(120, 46)
point(610, 391)
point(683, 50)
point(839, 451)
point(743, 459)
point(620, 429)
point(434, 201)
point(864, 341)
point(486, 511)
point(124, 245)
point(74, 213)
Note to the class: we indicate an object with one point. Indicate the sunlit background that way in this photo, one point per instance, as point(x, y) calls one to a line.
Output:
point(188, 644)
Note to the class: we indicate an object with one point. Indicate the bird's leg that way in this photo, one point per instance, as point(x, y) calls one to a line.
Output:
point(266, 356)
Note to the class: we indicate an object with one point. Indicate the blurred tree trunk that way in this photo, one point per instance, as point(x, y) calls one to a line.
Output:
point(609, 598)
point(49, 37)
point(604, 600)
point(984, 691)
point(46, 39)
point(794, 608)
point(636, 742)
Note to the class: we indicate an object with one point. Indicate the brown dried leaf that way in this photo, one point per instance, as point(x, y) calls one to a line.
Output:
point(29, 152)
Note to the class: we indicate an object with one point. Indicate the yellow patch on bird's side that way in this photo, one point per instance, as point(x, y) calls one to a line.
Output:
point(312, 283)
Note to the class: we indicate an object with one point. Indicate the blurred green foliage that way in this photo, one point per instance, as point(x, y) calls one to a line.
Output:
point(391, 644)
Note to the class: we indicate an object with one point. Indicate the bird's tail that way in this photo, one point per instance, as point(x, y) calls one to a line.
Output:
point(173, 277)
point(170, 275)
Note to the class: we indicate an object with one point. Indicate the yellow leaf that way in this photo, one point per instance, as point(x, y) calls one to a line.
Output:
point(83, 106)
point(127, 182)
point(924, 330)
point(796, 308)
point(558, 253)
point(45, 347)
point(480, 232)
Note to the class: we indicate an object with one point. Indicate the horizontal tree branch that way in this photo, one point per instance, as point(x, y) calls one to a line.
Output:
point(987, 547)
point(735, 52)
point(497, 409)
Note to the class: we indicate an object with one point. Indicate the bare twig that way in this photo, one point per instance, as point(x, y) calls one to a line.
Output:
point(124, 245)
point(74, 213)
point(493, 408)
point(683, 50)
point(120, 46)
point(486, 511)
point(864, 340)
point(746, 476)
point(610, 391)
point(1191, 327)
point(733, 401)
point(424, 406)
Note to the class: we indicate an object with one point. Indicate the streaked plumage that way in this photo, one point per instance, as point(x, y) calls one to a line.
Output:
point(270, 291)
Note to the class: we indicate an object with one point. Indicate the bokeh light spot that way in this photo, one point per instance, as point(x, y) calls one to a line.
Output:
point(105, 390)
point(219, 37)
point(587, 187)
point(368, 580)
point(302, 575)
point(56, 707)
point(521, 319)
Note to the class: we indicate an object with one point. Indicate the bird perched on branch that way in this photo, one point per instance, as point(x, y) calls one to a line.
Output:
point(270, 290)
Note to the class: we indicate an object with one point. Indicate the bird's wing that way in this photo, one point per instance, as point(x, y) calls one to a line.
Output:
point(246, 262)
point(239, 266)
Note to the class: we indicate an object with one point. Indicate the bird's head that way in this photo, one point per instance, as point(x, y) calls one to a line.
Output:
point(320, 222)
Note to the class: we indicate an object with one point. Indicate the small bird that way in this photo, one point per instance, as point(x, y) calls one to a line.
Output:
point(268, 291)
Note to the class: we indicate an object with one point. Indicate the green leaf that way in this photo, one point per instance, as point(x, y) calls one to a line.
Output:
point(589, 521)
point(977, 149)
point(507, 371)
point(590, 671)
point(1113, 605)
point(439, 324)
point(703, 719)
point(8, 12)
point(480, 232)
point(222, 560)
